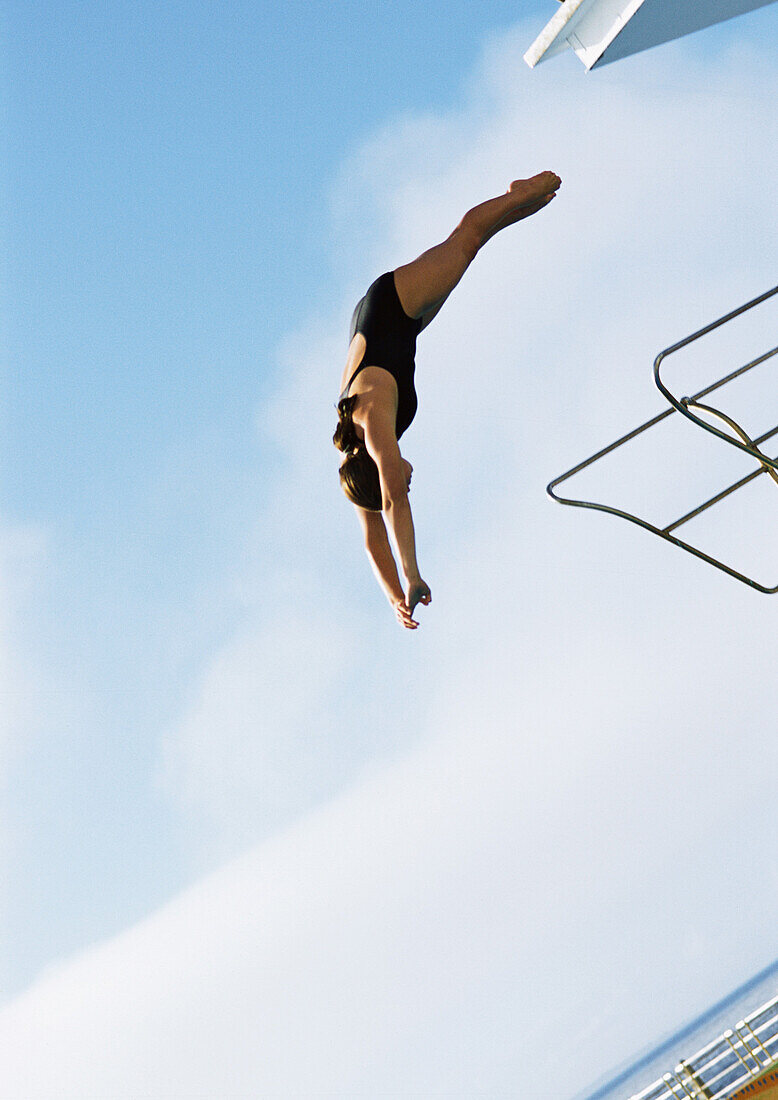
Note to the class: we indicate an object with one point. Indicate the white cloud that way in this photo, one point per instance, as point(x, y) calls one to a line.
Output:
point(435, 931)
point(583, 730)
point(272, 696)
point(543, 354)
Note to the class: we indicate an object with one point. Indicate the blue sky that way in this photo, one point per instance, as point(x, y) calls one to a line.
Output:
point(168, 223)
point(199, 667)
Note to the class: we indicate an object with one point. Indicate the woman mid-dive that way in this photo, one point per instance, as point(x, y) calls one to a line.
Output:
point(378, 398)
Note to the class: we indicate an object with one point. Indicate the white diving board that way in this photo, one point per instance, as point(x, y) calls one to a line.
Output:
point(601, 31)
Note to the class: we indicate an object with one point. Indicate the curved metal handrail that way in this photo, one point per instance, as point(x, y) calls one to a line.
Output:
point(768, 464)
point(684, 406)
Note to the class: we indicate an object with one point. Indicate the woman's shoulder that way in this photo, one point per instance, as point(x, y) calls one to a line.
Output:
point(377, 393)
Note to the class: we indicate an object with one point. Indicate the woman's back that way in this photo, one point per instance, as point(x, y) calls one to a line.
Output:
point(389, 343)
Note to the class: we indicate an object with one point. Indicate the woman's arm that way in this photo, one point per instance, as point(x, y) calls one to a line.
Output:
point(382, 561)
point(382, 446)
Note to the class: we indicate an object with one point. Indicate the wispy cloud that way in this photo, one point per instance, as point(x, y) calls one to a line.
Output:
point(440, 927)
point(543, 353)
point(541, 806)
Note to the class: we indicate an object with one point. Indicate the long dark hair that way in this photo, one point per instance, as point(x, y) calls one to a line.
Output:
point(358, 472)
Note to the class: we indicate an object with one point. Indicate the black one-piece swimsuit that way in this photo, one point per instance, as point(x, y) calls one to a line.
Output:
point(390, 335)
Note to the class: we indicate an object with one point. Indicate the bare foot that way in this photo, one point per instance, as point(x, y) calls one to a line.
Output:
point(528, 197)
point(536, 188)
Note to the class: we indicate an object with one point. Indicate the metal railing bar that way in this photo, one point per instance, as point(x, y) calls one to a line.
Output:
point(707, 1066)
point(717, 1050)
point(685, 1070)
point(722, 1047)
point(731, 1087)
point(750, 448)
point(772, 1038)
point(649, 1092)
point(728, 1036)
point(771, 1020)
point(764, 1009)
point(747, 1033)
point(734, 1067)
point(715, 1044)
point(663, 416)
point(611, 447)
point(725, 1047)
point(766, 435)
point(690, 403)
point(715, 500)
point(680, 406)
point(673, 1079)
point(724, 1071)
point(721, 321)
point(670, 538)
point(733, 424)
point(735, 374)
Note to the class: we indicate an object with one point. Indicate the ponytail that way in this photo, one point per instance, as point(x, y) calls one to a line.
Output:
point(345, 437)
point(359, 476)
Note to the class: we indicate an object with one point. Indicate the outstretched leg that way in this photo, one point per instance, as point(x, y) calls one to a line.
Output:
point(424, 284)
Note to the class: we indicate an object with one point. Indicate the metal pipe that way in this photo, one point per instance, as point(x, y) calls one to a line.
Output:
point(678, 404)
point(751, 448)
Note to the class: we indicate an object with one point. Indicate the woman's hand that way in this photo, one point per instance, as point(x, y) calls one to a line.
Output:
point(403, 615)
point(416, 591)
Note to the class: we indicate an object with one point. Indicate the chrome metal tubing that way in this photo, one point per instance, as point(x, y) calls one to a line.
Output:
point(724, 492)
point(747, 1033)
point(680, 404)
point(751, 447)
point(721, 1059)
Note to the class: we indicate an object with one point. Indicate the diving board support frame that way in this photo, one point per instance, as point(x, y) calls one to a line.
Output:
point(690, 407)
